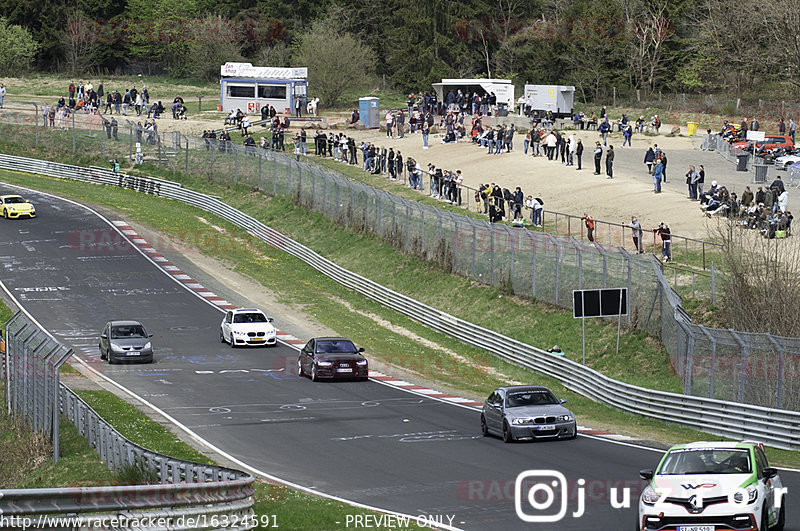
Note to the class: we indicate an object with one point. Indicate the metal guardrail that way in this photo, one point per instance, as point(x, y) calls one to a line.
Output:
point(778, 428)
point(190, 495)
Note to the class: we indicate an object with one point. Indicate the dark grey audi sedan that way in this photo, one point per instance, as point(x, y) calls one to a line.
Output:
point(125, 341)
point(526, 412)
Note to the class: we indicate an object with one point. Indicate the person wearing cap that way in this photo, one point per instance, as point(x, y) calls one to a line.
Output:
point(657, 174)
point(636, 232)
point(663, 231)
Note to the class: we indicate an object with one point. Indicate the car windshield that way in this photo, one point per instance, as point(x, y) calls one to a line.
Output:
point(252, 317)
point(127, 331)
point(14, 200)
point(530, 398)
point(690, 461)
point(344, 345)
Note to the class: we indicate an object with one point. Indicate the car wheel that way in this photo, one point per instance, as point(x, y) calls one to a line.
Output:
point(484, 427)
point(102, 354)
point(764, 525)
point(110, 358)
point(232, 342)
point(221, 336)
point(300, 368)
point(314, 375)
point(507, 437)
point(5, 213)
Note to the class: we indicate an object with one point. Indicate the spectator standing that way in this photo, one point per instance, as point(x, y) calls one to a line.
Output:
point(459, 182)
point(2, 94)
point(664, 163)
point(518, 201)
point(536, 139)
point(598, 156)
point(526, 143)
point(604, 128)
point(649, 159)
point(782, 127)
point(666, 240)
point(426, 129)
point(589, 220)
point(579, 152)
point(701, 179)
point(637, 233)
point(691, 180)
point(657, 174)
point(245, 125)
point(71, 89)
point(571, 150)
point(792, 128)
point(610, 163)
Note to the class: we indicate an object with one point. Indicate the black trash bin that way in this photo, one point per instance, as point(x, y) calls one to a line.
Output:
point(742, 162)
point(502, 109)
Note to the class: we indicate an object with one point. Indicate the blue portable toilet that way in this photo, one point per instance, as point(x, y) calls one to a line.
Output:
point(369, 112)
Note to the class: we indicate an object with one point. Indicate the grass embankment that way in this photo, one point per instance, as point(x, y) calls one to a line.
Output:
point(640, 359)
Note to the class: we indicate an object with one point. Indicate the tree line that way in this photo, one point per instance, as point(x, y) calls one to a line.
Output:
point(644, 45)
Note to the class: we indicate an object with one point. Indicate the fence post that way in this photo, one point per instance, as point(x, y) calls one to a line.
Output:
point(235, 164)
point(211, 174)
point(422, 211)
point(491, 256)
point(36, 107)
point(533, 263)
point(781, 360)
point(74, 140)
point(275, 176)
point(260, 156)
point(713, 284)
point(186, 165)
point(744, 364)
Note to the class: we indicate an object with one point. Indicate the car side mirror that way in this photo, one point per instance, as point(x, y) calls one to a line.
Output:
point(149, 335)
point(562, 401)
point(270, 319)
point(770, 472)
point(104, 336)
point(646, 474)
point(361, 349)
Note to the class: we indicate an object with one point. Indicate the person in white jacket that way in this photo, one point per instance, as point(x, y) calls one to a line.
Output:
point(551, 142)
point(783, 200)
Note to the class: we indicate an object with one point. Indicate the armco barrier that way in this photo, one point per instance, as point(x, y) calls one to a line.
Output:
point(778, 428)
point(190, 495)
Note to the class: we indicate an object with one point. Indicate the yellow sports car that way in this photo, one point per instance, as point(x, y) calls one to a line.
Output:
point(15, 206)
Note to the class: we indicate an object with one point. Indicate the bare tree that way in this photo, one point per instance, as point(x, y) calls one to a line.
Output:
point(648, 28)
point(781, 22)
point(80, 41)
point(761, 282)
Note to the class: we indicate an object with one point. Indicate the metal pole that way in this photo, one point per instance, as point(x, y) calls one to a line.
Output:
point(73, 134)
point(619, 320)
point(186, 168)
point(37, 123)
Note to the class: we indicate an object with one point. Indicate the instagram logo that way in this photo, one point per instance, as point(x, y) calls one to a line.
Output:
point(539, 488)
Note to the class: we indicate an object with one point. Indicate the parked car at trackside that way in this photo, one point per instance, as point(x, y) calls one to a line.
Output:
point(526, 412)
point(247, 327)
point(122, 341)
point(709, 486)
point(783, 162)
point(332, 357)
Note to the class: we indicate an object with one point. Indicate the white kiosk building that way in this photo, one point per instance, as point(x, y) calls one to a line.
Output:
point(247, 87)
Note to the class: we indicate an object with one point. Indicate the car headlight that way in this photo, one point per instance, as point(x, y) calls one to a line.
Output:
point(115, 347)
point(649, 495)
point(361, 362)
point(324, 363)
point(519, 421)
point(147, 346)
point(564, 418)
point(752, 494)
point(238, 333)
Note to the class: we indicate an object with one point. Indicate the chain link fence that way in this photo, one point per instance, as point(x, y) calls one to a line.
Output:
point(30, 372)
point(520, 261)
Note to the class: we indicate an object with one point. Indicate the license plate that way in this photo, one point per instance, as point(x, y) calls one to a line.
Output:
point(696, 528)
point(344, 370)
point(132, 353)
point(546, 427)
point(254, 339)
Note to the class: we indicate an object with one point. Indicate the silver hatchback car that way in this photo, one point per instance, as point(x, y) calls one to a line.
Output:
point(526, 412)
point(125, 341)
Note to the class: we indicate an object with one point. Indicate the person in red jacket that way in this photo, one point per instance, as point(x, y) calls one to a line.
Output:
point(589, 220)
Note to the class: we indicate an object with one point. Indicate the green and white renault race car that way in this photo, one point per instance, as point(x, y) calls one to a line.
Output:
point(712, 486)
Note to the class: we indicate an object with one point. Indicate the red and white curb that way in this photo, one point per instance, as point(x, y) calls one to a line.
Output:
point(285, 337)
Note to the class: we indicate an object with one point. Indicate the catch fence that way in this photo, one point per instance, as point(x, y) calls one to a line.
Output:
point(545, 266)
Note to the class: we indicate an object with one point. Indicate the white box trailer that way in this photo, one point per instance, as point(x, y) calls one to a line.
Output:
point(502, 88)
point(247, 87)
point(556, 98)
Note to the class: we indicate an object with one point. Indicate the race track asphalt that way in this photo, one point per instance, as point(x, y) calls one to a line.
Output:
point(363, 441)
